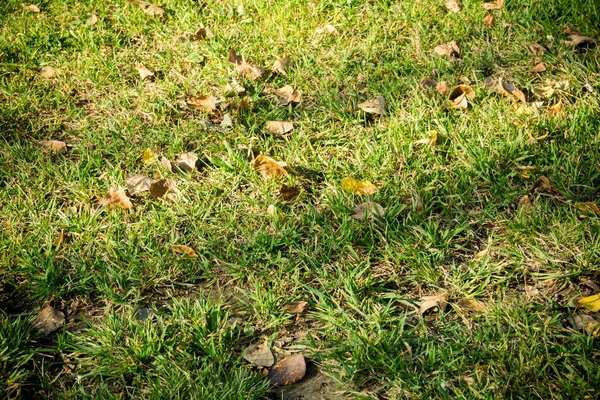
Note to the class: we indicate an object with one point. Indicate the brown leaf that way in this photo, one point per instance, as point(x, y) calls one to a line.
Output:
point(144, 72)
point(327, 28)
point(428, 302)
point(579, 41)
point(588, 207)
point(166, 188)
point(505, 88)
point(368, 209)
point(183, 249)
point(53, 146)
point(233, 88)
point(202, 34)
point(269, 168)
point(246, 70)
point(354, 186)
point(187, 161)
point(441, 87)
point(452, 5)
point(49, 320)
point(281, 66)
point(536, 48)
point(541, 67)
point(165, 162)
point(279, 127)
point(460, 96)
point(497, 5)
point(471, 304)
point(418, 204)
point(47, 72)
point(92, 20)
point(542, 184)
point(297, 307)
point(31, 7)
point(289, 193)
point(450, 49)
point(288, 94)
point(374, 106)
point(148, 8)
point(525, 203)
point(203, 103)
point(288, 371)
point(586, 323)
point(116, 197)
point(138, 183)
point(259, 355)
point(488, 20)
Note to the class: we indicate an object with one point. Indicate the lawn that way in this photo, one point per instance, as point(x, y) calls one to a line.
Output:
point(403, 193)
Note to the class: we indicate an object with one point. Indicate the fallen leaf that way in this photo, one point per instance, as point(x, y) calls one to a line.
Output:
point(374, 106)
point(269, 168)
point(525, 174)
point(586, 323)
point(497, 5)
point(203, 103)
point(418, 204)
point(505, 88)
point(92, 20)
point(428, 302)
point(227, 121)
point(233, 88)
point(47, 72)
point(49, 320)
point(536, 48)
point(246, 70)
point(187, 161)
point(271, 209)
point(279, 127)
point(592, 303)
point(524, 203)
point(138, 183)
point(32, 8)
point(587, 87)
point(541, 67)
point(288, 94)
point(588, 207)
point(368, 209)
point(441, 87)
point(148, 157)
point(144, 72)
point(327, 28)
point(450, 49)
point(354, 186)
point(460, 96)
point(288, 371)
point(471, 304)
point(488, 20)
point(165, 162)
point(183, 249)
point(148, 8)
point(289, 193)
point(281, 66)
point(116, 197)
point(296, 307)
point(541, 184)
point(202, 34)
point(556, 109)
point(166, 188)
point(481, 253)
point(452, 5)
point(259, 355)
point(579, 41)
point(53, 146)
point(432, 140)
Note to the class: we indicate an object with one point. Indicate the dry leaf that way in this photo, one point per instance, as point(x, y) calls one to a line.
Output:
point(144, 72)
point(203, 103)
point(53, 146)
point(542, 184)
point(450, 49)
point(138, 183)
point(481, 253)
point(428, 302)
point(432, 140)
point(92, 20)
point(49, 320)
point(271, 209)
point(374, 106)
point(524, 203)
point(488, 20)
point(460, 96)
point(165, 162)
point(329, 29)
point(288, 371)
point(536, 48)
point(279, 127)
point(47, 72)
point(452, 5)
point(441, 87)
point(592, 303)
point(579, 41)
point(297, 307)
point(497, 5)
point(556, 109)
point(586, 323)
point(32, 8)
point(187, 161)
point(183, 249)
point(351, 185)
point(589, 208)
point(471, 304)
point(148, 8)
point(269, 168)
point(227, 121)
point(259, 355)
point(246, 70)
point(148, 157)
point(281, 66)
point(418, 204)
point(166, 188)
point(541, 67)
point(289, 193)
point(505, 88)
point(233, 88)
point(202, 34)
point(525, 174)
point(116, 197)
point(288, 94)
point(368, 209)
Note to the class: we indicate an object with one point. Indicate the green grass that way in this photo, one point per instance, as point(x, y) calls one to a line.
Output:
point(363, 279)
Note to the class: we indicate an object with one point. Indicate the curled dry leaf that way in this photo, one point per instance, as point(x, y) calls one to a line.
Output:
point(269, 168)
point(202, 34)
point(540, 67)
point(245, 70)
point(328, 29)
point(556, 109)
point(460, 96)
point(92, 20)
point(31, 7)
point(450, 49)
point(536, 48)
point(53, 146)
point(471, 304)
point(47, 72)
point(354, 186)
point(374, 106)
point(288, 94)
point(138, 183)
point(288, 371)
point(505, 88)
point(452, 5)
point(579, 41)
point(497, 5)
point(259, 355)
point(233, 88)
point(525, 203)
point(542, 184)
point(428, 302)
point(187, 161)
point(586, 323)
point(281, 66)
point(592, 303)
point(183, 249)
point(148, 157)
point(148, 8)
point(368, 209)
point(488, 20)
point(279, 127)
point(588, 208)
point(49, 320)
point(164, 188)
point(289, 193)
point(203, 103)
point(144, 72)
point(116, 197)
point(296, 307)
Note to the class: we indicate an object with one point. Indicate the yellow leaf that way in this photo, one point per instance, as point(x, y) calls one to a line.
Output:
point(525, 174)
point(269, 168)
point(592, 303)
point(355, 186)
point(148, 157)
point(183, 249)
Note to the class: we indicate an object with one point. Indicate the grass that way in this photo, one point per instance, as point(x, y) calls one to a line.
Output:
point(363, 280)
